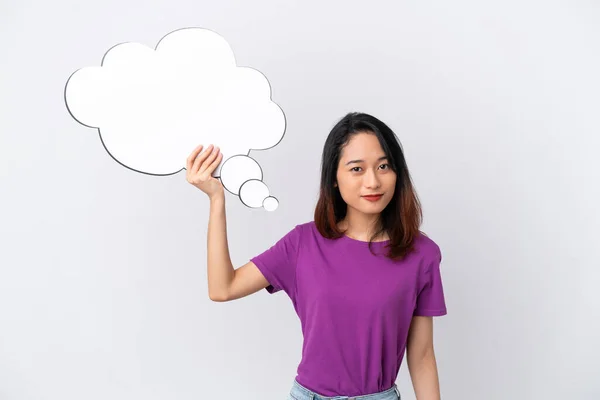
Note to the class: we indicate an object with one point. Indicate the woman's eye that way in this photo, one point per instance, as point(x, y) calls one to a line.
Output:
point(355, 169)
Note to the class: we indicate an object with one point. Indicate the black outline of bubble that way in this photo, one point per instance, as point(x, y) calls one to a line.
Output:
point(176, 172)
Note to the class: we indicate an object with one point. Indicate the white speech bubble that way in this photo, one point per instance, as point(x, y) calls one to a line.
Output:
point(152, 107)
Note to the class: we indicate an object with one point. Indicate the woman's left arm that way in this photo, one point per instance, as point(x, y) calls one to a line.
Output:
point(420, 358)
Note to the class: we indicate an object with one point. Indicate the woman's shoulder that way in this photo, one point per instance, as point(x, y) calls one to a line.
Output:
point(300, 229)
point(306, 225)
point(309, 232)
point(303, 227)
point(426, 245)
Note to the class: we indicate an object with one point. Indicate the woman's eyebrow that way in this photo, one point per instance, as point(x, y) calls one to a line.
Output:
point(359, 161)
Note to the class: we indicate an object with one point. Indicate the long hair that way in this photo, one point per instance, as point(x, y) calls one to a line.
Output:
point(401, 218)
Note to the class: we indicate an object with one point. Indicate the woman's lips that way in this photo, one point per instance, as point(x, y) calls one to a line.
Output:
point(373, 198)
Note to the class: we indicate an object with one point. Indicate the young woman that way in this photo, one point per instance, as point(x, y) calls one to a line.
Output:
point(363, 279)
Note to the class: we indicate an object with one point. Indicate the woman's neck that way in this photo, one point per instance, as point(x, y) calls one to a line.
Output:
point(362, 229)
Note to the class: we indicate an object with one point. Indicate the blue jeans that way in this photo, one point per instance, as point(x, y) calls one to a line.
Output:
point(299, 392)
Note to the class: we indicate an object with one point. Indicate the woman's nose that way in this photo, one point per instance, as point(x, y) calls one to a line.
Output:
point(371, 179)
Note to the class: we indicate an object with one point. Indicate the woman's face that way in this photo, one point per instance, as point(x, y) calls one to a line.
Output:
point(364, 170)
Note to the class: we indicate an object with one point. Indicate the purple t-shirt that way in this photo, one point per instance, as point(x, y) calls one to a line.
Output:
point(355, 308)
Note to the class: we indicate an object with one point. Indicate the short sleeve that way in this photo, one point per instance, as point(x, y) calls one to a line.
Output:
point(278, 263)
point(430, 298)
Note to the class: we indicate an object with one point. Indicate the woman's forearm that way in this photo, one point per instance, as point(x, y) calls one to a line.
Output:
point(220, 269)
point(424, 376)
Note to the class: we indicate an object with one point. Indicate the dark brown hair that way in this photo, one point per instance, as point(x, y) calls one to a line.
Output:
point(401, 218)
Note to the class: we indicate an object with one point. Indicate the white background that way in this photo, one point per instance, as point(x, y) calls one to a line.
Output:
point(103, 291)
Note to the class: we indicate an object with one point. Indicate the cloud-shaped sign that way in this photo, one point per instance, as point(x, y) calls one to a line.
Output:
point(152, 107)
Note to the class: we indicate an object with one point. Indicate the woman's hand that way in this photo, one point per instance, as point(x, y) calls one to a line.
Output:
point(200, 168)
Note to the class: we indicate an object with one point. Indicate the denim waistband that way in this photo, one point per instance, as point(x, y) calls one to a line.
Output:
point(299, 392)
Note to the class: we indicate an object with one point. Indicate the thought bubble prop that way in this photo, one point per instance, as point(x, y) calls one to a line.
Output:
point(152, 107)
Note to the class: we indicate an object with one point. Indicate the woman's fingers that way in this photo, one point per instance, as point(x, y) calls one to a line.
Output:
point(200, 159)
point(192, 157)
point(208, 162)
point(215, 163)
point(200, 167)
